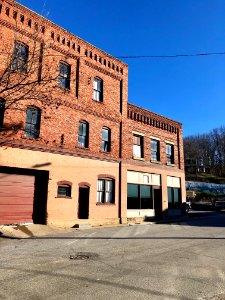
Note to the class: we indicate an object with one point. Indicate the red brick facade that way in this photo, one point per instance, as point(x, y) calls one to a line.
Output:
point(63, 108)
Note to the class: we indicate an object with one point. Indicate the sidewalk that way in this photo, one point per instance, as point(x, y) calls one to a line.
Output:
point(37, 230)
point(30, 230)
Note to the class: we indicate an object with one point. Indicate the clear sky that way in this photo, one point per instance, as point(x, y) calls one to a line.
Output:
point(190, 90)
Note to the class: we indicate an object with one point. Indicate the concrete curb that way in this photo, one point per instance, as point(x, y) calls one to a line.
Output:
point(35, 230)
point(30, 230)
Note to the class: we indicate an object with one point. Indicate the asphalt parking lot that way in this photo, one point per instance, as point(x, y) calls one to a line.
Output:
point(180, 260)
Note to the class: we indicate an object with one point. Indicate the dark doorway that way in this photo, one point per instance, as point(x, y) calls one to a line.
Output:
point(157, 201)
point(40, 197)
point(83, 202)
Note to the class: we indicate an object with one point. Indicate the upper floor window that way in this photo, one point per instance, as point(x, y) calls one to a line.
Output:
point(2, 111)
point(20, 57)
point(170, 153)
point(98, 89)
point(105, 146)
point(105, 193)
point(64, 75)
point(33, 120)
point(83, 134)
point(138, 146)
point(155, 151)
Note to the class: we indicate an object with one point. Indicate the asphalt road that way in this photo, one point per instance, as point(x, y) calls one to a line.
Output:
point(153, 261)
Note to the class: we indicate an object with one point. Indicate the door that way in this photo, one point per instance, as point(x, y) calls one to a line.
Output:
point(157, 201)
point(83, 203)
point(16, 198)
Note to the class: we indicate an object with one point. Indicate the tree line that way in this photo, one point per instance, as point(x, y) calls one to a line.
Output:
point(207, 151)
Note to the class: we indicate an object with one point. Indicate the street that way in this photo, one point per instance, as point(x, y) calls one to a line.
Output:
point(183, 260)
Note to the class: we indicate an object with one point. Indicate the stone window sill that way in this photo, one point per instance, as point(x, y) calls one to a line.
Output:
point(64, 197)
point(171, 165)
point(155, 162)
point(105, 203)
point(139, 158)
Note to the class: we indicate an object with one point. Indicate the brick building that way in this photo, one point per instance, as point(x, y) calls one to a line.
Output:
point(72, 148)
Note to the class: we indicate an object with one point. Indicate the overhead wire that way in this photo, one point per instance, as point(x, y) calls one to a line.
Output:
point(170, 56)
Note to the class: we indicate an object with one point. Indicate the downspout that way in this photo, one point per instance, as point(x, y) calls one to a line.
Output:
point(120, 151)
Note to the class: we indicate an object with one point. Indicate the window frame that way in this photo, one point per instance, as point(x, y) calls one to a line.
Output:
point(138, 146)
point(67, 188)
point(19, 59)
point(169, 154)
point(106, 143)
point(155, 151)
point(103, 193)
point(33, 122)
point(173, 192)
point(140, 201)
point(98, 89)
point(83, 139)
point(64, 75)
point(2, 111)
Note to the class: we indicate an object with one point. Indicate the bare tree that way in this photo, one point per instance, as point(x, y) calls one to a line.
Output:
point(208, 149)
point(22, 76)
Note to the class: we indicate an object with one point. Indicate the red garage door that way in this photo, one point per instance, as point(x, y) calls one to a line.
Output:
point(16, 198)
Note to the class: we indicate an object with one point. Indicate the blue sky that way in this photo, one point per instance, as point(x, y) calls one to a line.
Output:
point(187, 89)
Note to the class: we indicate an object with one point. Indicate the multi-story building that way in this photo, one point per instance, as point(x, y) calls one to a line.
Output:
point(71, 147)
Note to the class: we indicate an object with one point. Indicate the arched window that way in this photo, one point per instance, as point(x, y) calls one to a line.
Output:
point(106, 137)
point(83, 134)
point(98, 89)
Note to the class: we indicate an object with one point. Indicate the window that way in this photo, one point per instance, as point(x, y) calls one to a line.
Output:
point(20, 56)
point(98, 89)
point(170, 153)
point(64, 75)
point(174, 198)
point(155, 152)
point(2, 111)
point(137, 146)
point(83, 134)
point(139, 196)
point(105, 193)
point(105, 146)
point(64, 190)
point(33, 119)
point(7, 10)
point(36, 27)
point(21, 18)
point(15, 15)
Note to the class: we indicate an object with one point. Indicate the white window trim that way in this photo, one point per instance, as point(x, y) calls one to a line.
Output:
point(168, 142)
point(154, 138)
point(138, 133)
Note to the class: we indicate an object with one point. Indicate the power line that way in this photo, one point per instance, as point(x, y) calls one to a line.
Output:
point(171, 56)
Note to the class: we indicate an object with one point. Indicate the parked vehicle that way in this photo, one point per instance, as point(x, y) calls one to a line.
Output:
point(219, 205)
point(188, 205)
